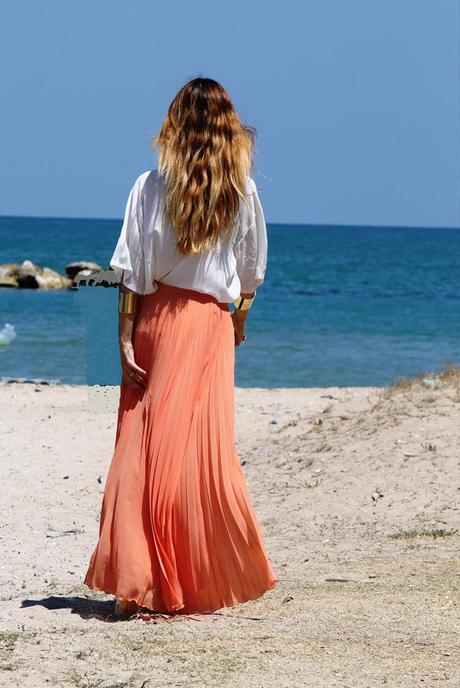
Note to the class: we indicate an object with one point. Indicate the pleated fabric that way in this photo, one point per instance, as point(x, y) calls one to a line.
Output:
point(178, 531)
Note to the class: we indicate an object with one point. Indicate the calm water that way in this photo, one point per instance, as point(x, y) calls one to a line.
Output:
point(340, 306)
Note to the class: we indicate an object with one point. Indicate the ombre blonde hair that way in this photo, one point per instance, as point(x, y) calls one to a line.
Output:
point(205, 155)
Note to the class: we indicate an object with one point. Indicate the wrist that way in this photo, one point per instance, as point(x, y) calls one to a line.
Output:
point(244, 301)
point(126, 344)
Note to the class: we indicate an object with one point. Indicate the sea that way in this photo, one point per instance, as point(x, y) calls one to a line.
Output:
point(340, 306)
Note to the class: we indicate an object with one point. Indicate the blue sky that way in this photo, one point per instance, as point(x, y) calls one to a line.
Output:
point(356, 102)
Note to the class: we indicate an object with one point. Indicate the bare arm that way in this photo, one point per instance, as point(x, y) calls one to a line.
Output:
point(239, 320)
point(251, 258)
point(132, 374)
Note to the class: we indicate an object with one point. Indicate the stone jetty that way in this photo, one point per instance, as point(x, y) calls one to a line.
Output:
point(29, 275)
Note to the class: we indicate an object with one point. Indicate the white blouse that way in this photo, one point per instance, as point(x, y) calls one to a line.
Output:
point(146, 252)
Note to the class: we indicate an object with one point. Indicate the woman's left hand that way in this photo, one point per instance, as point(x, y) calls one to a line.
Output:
point(132, 374)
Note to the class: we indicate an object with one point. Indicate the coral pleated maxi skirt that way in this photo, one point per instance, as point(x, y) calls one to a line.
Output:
point(178, 531)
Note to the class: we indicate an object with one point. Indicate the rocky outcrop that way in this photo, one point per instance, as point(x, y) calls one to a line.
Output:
point(73, 269)
point(8, 275)
point(9, 269)
point(8, 282)
point(31, 276)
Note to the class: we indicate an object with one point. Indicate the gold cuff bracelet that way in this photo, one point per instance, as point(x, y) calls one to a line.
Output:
point(127, 302)
point(243, 304)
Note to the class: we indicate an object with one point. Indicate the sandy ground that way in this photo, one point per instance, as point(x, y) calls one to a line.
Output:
point(333, 473)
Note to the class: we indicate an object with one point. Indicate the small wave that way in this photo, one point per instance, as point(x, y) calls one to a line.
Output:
point(7, 334)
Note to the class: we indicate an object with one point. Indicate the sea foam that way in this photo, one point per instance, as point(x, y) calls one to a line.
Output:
point(7, 334)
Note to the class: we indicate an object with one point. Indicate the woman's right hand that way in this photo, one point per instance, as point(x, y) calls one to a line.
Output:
point(239, 319)
point(132, 374)
point(239, 326)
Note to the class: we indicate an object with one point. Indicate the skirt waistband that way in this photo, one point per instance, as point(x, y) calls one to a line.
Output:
point(185, 293)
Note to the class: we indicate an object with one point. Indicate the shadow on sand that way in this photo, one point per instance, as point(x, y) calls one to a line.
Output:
point(103, 610)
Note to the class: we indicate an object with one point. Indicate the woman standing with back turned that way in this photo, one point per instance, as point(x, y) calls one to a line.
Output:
point(178, 532)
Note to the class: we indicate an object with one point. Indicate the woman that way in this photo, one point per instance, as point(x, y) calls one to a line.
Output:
point(178, 532)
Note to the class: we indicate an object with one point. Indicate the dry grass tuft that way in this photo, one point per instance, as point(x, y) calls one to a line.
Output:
point(449, 376)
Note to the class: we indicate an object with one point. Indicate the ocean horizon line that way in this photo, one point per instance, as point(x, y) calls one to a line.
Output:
point(315, 225)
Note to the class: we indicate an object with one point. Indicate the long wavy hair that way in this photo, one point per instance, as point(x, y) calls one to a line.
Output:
point(205, 156)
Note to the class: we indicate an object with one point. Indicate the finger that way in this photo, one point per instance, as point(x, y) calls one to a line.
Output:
point(139, 382)
point(137, 372)
point(132, 365)
point(141, 379)
point(134, 385)
point(133, 380)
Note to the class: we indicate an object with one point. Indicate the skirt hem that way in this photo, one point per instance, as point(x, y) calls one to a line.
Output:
point(177, 610)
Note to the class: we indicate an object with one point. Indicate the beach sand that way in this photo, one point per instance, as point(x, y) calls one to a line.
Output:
point(333, 474)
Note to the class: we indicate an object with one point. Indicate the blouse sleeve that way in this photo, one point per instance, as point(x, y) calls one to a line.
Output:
point(128, 258)
point(251, 248)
